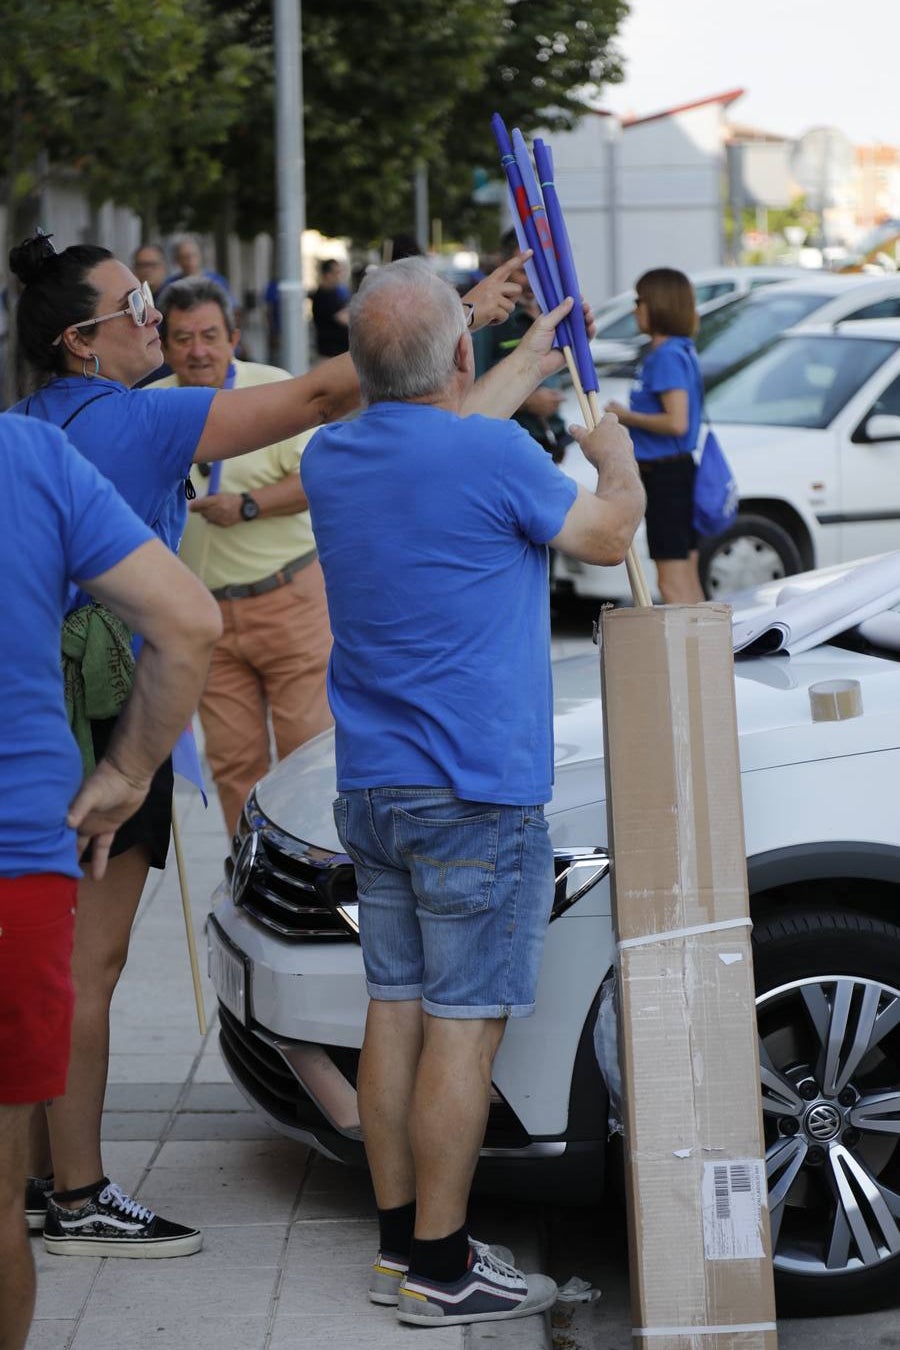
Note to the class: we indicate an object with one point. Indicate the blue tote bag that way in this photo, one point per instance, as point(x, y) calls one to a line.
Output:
point(715, 490)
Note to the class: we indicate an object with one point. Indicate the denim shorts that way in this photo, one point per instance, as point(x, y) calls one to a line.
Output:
point(454, 898)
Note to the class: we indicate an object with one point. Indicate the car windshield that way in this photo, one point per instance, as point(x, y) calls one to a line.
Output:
point(618, 327)
point(730, 335)
point(800, 382)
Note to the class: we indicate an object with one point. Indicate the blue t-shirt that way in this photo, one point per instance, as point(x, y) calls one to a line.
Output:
point(671, 365)
point(59, 520)
point(142, 440)
point(432, 533)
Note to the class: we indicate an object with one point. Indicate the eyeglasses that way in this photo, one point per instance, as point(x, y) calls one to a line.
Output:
point(470, 312)
point(140, 303)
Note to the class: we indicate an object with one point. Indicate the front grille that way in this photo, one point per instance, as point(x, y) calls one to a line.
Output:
point(291, 888)
point(304, 893)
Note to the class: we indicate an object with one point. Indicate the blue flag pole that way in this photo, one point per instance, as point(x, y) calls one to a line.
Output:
point(543, 158)
point(551, 297)
point(583, 371)
point(536, 210)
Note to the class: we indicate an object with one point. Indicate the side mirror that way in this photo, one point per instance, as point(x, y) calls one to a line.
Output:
point(883, 427)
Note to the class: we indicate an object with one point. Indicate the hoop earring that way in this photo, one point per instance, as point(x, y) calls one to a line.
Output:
point(89, 374)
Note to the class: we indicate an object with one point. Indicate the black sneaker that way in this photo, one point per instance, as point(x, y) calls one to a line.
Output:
point(110, 1223)
point(388, 1271)
point(37, 1192)
point(490, 1291)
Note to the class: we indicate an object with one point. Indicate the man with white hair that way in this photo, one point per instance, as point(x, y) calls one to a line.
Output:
point(432, 524)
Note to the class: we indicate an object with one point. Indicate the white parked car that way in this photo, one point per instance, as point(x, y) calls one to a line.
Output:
point(618, 338)
point(823, 862)
point(811, 428)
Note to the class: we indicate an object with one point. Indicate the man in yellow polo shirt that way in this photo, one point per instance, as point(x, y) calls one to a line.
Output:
point(249, 538)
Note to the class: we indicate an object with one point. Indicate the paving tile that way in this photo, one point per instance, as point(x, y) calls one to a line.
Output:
point(320, 1288)
point(323, 1242)
point(258, 1183)
point(128, 1034)
point(333, 1205)
point(365, 1328)
point(211, 1069)
point(127, 1065)
point(335, 1178)
point(272, 1154)
point(134, 1124)
point(142, 1096)
point(226, 1125)
point(49, 1334)
point(182, 1288)
point(240, 1245)
point(163, 1329)
point(127, 1160)
point(228, 1206)
point(214, 1097)
point(63, 1285)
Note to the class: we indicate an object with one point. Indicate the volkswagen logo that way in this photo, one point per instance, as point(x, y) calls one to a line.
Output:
point(243, 866)
point(823, 1122)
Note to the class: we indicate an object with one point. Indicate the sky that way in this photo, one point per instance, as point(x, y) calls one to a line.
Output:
point(802, 63)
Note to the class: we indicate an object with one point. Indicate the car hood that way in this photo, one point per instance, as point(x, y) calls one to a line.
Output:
point(738, 437)
point(774, 722)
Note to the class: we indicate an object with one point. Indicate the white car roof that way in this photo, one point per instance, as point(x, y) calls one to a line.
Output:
point(852, 328)
point(774, 273)
point(829, 284)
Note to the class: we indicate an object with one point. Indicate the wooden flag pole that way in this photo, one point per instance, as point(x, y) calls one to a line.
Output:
point(188, 922)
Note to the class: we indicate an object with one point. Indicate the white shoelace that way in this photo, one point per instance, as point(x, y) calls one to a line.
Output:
point(492, 1265)
point(114, 1195)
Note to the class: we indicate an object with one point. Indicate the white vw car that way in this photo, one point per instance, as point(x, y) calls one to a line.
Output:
point(811, 428)
point(823, 862)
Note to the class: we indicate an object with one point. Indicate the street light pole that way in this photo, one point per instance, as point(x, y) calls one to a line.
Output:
point(290, 184)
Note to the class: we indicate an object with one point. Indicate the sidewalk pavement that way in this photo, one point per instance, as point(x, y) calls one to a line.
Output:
point(288, 1236)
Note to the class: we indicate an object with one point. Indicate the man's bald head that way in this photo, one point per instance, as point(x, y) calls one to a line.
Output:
point(405, 325)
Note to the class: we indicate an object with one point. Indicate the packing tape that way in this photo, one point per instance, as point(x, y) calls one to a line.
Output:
point(673, 933)
point(704, 1331)
point(835, 700)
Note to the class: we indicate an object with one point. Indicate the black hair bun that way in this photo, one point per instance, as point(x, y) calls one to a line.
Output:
point(28, 259)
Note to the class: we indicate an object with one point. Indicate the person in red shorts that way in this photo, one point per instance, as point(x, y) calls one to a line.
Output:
point(62, 524)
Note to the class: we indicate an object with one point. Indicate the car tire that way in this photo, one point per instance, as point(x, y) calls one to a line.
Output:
point(828, 1013)
point(751, 551)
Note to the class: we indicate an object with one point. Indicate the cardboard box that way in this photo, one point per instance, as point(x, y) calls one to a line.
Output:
point(701, 1274)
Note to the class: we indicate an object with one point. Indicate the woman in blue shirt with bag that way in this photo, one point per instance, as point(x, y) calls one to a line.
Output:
point(664, 421)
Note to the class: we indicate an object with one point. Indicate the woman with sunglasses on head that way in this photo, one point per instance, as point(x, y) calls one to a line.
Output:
point(89, 330)
point(664, 421)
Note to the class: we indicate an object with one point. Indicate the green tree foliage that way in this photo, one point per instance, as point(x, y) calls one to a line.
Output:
point(136, 100)
point(168, 107)
point(390, 83)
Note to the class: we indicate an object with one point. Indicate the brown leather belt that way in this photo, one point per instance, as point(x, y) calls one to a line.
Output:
point(265, 584)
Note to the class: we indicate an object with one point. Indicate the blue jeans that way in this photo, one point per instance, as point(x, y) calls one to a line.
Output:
point(454, 898)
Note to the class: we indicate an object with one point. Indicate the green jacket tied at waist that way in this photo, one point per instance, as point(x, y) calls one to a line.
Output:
point(98, 671)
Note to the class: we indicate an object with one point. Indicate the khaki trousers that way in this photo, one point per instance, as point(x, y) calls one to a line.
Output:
point(269, 662)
